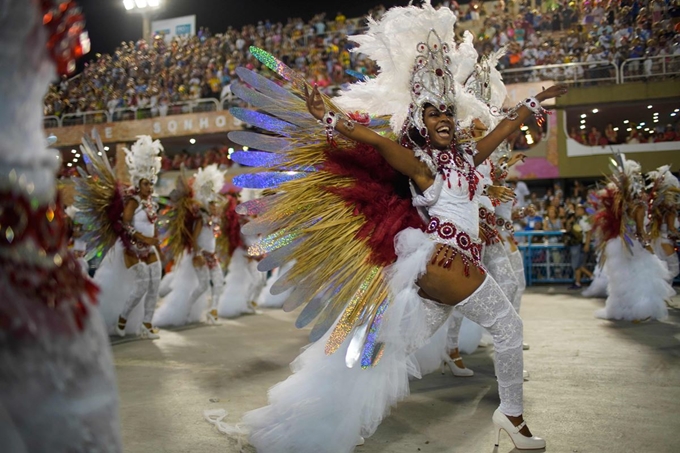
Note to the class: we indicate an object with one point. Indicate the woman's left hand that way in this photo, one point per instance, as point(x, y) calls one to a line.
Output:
point(315, 103)
point(554, 91)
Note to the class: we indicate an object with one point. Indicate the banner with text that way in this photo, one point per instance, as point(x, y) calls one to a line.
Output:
point(177, 26)
point(159, 127)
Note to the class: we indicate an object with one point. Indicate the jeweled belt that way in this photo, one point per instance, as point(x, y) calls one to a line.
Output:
point(487, 226)
point(455, 242)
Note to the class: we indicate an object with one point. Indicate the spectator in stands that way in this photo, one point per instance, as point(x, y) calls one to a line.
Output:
point(553, 222)
point(610, 134)
point(578, 239)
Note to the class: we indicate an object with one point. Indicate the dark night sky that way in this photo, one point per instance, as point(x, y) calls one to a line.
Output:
point(108, 23)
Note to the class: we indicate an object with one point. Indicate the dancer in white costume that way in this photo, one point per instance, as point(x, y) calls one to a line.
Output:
point(243, 283)
point(192, 238)
point(638, 280)
point(374, 310)
point(131, 258)
point(664, 203)
point(57, 382)
point(483, 88)
point(597, 287)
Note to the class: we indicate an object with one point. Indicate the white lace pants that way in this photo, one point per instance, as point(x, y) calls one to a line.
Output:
point(489, 307)
point(498, 265)
point(147, 281)
point(206, 275)
point(455, 322)
point(518, 267)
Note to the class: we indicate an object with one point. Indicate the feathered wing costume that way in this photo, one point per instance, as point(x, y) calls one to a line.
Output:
point(664, 204)
point(637, 279)
point(57, 381)
point(268, 300)
point(335, 211)
point(187, 300)
point(101, 198)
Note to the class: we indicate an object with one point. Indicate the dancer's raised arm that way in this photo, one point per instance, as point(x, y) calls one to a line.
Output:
point(398, 157)
point(493, 139)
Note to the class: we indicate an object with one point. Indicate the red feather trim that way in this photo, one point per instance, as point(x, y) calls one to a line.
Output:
point(380, 194)
point(230, 224)
point(608, 218)
point(115, 213)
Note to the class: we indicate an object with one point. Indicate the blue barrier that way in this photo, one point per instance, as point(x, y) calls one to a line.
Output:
point(547, 259)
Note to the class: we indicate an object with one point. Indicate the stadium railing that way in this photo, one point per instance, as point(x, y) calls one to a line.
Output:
point(660, 67)
point(547, 259)
point(581, 73)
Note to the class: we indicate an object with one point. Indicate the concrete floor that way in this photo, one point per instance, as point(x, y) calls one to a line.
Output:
point(596, 386)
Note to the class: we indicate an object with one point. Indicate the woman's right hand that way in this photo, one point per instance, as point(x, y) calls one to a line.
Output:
point(315, 103)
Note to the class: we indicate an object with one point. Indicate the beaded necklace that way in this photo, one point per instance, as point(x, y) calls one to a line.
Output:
point(453, 159)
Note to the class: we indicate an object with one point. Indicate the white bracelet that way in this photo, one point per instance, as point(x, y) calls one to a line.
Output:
point(533, 105)
point(330, 119)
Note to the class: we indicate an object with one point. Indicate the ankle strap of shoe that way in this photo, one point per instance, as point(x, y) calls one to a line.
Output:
point(519, 427)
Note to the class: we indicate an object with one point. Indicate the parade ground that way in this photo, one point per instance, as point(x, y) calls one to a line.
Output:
point(595, 386)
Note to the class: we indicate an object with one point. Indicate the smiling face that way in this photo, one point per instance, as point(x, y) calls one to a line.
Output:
point(440, 126)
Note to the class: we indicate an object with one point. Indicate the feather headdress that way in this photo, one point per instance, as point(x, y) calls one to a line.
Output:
point(664, 197)
point(143, 159)
point(662, 178)
point(207, 184)
point(416, 67)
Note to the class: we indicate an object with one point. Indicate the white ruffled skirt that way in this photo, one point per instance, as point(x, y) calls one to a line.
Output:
point(115, 283)
point(324, 406)
point(637, 283)
point(176, 308)
point(242, 286)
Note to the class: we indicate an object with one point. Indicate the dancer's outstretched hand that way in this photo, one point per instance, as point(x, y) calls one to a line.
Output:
point(315, 103)
point(516, 157)
point(501, 193)
point(554, 91)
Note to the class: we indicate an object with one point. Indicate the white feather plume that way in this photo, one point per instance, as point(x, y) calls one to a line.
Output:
point(143, 159)
point(498, 90)
point(465, 58)
point(663, 177)
point(207, 184)
point(391, 43)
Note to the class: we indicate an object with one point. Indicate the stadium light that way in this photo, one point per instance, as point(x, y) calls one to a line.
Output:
point(144, 8)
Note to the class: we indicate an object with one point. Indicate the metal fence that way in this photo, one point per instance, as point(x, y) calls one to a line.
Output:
point(548, 260)
point(652, 68)
point(582, 73)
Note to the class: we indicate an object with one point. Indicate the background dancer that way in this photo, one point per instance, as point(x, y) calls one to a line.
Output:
point(664, 202)
point(637, 279)
point(193, 226)
point(131, 259)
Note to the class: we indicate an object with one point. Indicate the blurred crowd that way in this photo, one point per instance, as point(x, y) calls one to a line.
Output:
point(190, 161)
point(150, 77)
point(567, 31)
